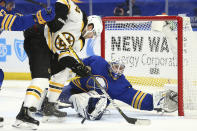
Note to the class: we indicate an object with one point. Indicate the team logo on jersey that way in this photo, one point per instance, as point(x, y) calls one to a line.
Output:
point(102, 81)
point(19, 50)
point(59, 43)
point(4, 50)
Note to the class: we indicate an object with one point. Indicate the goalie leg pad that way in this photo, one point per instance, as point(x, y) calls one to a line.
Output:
point(90, 105)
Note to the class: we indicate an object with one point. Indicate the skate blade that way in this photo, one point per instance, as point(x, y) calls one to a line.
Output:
point(53, 119)
point(24, 125)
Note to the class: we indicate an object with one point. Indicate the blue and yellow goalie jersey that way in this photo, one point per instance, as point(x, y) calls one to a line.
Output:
point(119, 89)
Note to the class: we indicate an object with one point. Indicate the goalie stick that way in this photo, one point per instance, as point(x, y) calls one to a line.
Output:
point(128, 119)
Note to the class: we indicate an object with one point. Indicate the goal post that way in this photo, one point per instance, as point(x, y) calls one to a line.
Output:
point(147, 55)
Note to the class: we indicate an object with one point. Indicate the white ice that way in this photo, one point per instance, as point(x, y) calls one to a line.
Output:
point(13, 92)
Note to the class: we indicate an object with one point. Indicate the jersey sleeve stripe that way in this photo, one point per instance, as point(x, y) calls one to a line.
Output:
point(134, 98)
point(3, 22)
point(8, 21)
point(11, 23)
point(140, 103)
point(137, 99)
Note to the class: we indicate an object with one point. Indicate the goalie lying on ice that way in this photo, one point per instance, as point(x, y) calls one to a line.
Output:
point(88, 100)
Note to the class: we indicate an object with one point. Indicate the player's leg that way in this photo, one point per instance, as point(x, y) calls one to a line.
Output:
point(90, 105)
point(56, 84)
point(1, 82)
point(39, 62)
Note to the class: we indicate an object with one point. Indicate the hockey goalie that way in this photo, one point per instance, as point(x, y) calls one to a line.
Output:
point(87, 99)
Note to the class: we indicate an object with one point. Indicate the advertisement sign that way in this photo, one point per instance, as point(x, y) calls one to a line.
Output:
point(143, 52)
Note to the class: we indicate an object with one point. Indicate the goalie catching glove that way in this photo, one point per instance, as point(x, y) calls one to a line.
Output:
point(81, 70)
point(89, 105)
point(165, 101)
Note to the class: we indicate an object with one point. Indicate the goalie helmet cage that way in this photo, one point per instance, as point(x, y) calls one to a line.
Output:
point(116, 31)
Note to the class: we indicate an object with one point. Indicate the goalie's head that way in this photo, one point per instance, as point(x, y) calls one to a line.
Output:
point(116, 69)
point(94, 27)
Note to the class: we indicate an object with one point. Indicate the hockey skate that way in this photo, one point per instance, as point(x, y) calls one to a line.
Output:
point(1, 121)
point(24, 119)
point(50, 110)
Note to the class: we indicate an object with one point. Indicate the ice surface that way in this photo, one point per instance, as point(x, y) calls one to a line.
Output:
point(13, 92)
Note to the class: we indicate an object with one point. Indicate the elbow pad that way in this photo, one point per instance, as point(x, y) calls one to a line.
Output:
point(68, 61)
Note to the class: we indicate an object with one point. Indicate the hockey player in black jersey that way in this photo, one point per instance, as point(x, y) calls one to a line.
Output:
point(49, 58)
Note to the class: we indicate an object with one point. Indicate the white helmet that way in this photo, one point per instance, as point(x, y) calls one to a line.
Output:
point(97, 22)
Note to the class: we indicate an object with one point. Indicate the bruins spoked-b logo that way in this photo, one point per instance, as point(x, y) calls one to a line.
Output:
point(59, 43)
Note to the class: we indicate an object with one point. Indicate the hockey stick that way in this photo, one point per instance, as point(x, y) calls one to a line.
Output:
point(46, 6)
point(37, 3)
point(128, 119)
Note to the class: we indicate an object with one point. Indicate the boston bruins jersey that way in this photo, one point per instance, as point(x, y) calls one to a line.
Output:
point(73, 21)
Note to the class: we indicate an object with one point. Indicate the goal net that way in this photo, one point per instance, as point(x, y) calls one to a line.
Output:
point(158, 51)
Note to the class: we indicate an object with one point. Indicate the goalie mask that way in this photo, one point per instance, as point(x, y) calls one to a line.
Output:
point(94, 27)
point(116, 69)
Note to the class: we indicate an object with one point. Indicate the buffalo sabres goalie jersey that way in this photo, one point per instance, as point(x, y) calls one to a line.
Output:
point(119, 89)
point(13, 22)
point(70, 21)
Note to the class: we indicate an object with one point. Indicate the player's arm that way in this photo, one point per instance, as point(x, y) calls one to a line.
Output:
point(73, 64)
point(61, 11)
point(19, 23)
point(161, 100)
point(137, 99)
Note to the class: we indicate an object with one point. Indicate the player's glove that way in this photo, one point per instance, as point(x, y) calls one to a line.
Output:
point(81, 70)
point(45, 15)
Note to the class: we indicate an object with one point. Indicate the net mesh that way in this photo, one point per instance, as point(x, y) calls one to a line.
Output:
point(150, 55)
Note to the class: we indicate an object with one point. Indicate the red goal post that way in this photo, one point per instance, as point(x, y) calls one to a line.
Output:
point(179, 45)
